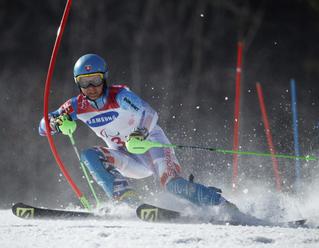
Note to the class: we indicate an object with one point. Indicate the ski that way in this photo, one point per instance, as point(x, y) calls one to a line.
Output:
point(152, 213)
point(25, 211)
point(145, 212)
point(295, 223)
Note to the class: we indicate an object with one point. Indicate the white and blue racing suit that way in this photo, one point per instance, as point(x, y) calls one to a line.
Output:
point(113, 117)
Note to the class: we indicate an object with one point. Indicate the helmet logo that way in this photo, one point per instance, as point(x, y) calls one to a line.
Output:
point(88, 67)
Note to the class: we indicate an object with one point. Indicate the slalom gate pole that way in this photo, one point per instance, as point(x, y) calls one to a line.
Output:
point(269, 136)
point(57, 43)
point(236, 113)
point(295, 130)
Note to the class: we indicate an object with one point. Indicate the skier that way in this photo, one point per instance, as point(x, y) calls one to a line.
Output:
point(116, 114)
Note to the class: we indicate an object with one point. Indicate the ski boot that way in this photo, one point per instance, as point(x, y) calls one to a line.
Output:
point(194, 192)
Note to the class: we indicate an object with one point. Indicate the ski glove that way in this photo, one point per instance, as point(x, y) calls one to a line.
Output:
point(139, 133)
point(55, 122)
point(63, 124)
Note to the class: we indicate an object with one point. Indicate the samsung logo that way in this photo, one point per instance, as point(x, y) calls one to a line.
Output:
point(102, 119)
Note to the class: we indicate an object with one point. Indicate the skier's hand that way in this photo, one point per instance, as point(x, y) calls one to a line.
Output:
point(63, 124)
point(55, 122)
point(139, 133)
point(67, 126)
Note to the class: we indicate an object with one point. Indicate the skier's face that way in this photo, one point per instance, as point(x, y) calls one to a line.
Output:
point(93, 92)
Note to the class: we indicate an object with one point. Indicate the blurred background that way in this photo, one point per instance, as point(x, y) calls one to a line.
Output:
point(180, 56)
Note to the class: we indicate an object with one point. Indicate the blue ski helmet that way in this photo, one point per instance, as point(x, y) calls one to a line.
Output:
point(90, 63)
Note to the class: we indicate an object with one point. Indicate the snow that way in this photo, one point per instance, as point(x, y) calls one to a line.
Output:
point(131, 232)
point(122, 228)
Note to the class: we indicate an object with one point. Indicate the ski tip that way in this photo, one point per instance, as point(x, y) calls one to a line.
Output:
point(297, 223)
point(23, 211)
point(147, 212)
point(152, 213)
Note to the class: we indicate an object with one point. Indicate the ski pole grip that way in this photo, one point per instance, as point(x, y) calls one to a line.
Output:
point(136, 146)
point(68, 126)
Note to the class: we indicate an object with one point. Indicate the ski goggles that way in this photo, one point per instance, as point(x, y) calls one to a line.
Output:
point(85, 80)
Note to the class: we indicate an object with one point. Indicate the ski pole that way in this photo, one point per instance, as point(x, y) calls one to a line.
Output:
point(67, 128)
point(137, 146)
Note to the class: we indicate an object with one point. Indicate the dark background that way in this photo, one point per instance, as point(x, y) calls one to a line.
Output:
point(180, 56)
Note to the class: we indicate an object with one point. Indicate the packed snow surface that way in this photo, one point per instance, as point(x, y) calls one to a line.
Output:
point(128, 231)
point(121, 228)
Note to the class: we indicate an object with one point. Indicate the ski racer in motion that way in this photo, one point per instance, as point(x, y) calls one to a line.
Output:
point(116, 115)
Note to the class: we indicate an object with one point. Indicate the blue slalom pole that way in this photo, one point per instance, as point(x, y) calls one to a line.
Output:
point(296, 136)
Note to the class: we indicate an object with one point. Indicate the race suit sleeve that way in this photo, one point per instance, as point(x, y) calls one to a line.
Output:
point(69, 107)
point(130, 101)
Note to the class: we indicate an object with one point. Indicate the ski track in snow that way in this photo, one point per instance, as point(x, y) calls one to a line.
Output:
point(131, 232)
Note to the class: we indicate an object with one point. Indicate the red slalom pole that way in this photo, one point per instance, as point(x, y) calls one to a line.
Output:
point(46, 104)
point(236, 113)
point(269, 136)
